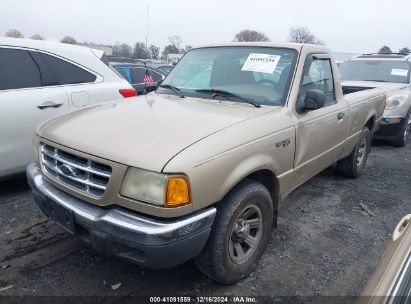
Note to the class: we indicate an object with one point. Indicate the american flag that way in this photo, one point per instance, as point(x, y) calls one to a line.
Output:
point(148, 79)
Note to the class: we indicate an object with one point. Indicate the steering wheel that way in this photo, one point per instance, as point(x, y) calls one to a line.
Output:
point(268, 81)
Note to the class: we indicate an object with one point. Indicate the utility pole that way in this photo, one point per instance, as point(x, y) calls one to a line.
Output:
point(147, 29)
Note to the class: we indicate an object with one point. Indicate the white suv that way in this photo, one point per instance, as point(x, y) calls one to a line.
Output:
point(39, 80)
point(392, 74)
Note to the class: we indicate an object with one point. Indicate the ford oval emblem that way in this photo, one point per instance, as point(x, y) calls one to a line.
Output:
point(68, 170)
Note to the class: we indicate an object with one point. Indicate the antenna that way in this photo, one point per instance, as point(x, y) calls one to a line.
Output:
point(147, 29)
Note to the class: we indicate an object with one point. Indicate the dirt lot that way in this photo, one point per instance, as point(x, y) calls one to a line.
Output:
point(325, 243)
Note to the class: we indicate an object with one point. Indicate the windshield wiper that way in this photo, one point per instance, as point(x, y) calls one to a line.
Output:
point(173, 88)
point(226, 94)
point(376, 80)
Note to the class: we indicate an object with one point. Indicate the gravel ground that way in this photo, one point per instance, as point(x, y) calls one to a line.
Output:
point(325, 244)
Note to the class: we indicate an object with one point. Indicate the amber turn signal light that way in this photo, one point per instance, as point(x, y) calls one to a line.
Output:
point(178, 192)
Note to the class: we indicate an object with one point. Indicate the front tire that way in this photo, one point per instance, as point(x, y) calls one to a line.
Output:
point(239, 235)
point(401, 141)
point(353, 165)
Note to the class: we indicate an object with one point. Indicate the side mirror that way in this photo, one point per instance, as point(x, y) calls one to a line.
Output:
point(314, 99)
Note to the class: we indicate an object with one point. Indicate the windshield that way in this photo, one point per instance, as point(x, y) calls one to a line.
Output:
point(259, 74)
point(165, 69)
point(376, 70)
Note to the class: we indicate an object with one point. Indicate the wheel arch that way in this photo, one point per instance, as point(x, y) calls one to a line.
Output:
point(371, 124)
point(269, 180)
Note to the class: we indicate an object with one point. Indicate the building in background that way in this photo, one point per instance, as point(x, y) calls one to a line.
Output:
point(106, 49)
point(174, 58)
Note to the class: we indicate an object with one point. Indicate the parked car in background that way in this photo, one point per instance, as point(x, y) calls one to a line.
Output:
point(390, 72)
point(197, 169)
point(391, 282)
point(40, 80)
point(162, 68)
point(120, 59)
point(138, 75)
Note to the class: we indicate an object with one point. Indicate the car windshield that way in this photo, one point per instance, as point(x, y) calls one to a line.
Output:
point(165, 69)
point(259, 74)
point(376, 70)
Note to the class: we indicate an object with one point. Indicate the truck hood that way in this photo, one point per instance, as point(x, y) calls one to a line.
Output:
point(146, 131)
point(389, 88)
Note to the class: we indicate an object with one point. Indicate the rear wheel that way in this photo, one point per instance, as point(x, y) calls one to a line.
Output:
point(239, 235)
point(353, 165)
point(401, 141)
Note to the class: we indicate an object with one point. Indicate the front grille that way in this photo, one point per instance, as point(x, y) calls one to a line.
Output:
point(83, 174)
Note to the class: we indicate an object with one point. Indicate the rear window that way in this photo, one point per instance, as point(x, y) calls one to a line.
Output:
point(65, 72)
point(156, 76)
point(137, 75)
point(18, 70)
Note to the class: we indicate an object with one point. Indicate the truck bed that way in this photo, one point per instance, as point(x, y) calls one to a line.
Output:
point(353, 89)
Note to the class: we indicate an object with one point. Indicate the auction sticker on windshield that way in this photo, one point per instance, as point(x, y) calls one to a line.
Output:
point(263, 63)
point(399, 72)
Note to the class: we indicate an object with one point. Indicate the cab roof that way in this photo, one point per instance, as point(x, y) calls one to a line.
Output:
point(288, 45)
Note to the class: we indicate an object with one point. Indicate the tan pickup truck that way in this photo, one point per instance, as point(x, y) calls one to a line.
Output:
point(197, 168)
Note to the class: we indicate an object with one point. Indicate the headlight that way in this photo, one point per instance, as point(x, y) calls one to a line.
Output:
point(396, 101)
point(156, 188)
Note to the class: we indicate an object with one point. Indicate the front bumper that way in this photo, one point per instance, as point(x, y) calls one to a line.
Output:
point(389, 131)
point(147, 241)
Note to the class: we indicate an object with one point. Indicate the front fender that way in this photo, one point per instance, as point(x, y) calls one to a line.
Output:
point(213, 177)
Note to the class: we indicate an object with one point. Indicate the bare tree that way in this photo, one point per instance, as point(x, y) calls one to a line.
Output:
point(405, 51)
point(249, 36)
point(122, 50)
point(14, 33)
point(170, 49)
point(302, 34)
point(69, 40)
point(140, 51)
point(155, 51)
point(37, 37)
point(175, 40)
point(385, 50)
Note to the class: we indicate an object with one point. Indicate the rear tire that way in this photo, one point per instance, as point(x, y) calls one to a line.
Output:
point(402, 139)
point(239, 234)
point(353, 165)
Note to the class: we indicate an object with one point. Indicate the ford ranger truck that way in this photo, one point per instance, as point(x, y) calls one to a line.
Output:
point(196, 169)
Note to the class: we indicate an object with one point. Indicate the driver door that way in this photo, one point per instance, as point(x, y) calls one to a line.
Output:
point(320, 133)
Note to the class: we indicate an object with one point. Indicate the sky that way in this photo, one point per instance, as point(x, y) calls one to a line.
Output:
point(356, 26)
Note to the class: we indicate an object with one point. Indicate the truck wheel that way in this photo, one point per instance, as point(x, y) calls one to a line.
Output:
point(239, 234)
point(401, 141)
point(353, 164)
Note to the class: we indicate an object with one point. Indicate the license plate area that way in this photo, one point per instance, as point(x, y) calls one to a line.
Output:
point(62, 216)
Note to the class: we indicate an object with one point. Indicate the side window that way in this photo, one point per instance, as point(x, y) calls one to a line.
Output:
point(18, 70)
point(65, 72)
point(319, 76)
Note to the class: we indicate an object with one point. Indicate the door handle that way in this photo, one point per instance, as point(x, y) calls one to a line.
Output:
point(340, 116)
point(49, 104)
point(401, 227)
